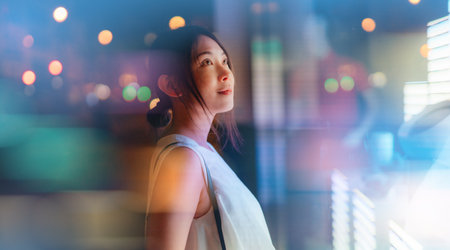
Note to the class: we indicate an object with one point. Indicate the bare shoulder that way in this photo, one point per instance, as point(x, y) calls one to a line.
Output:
point(182, 159)
point(179, 182)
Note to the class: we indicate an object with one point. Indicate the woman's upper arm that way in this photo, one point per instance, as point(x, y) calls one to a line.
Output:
point(175, 198)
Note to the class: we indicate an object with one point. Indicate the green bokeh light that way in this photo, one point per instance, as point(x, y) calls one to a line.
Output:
point(129, 93)
point(258, 47)
point(331, 85)
point(144, 94)
point(274, 47)
point(270, 47)
point(347, 83)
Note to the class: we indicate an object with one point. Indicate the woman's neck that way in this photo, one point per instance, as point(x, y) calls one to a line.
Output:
point(193, 125)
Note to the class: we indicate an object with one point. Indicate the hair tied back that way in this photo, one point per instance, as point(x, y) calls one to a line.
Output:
point(159, 116)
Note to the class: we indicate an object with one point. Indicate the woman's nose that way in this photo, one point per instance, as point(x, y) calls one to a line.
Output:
point(225, 73)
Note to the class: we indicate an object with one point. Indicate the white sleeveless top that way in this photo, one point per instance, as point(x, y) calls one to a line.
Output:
point(243, 223)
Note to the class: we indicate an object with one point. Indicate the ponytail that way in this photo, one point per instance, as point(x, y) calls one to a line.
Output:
point(159, 116)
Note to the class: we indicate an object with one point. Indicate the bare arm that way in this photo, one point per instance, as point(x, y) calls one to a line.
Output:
point(176, 196)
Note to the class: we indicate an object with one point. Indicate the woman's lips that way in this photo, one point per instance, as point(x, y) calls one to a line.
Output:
point(226, 92)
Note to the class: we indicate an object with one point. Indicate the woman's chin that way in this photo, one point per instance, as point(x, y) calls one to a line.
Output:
point(226, 108)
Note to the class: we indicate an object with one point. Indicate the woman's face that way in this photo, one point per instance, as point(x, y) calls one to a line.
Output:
point(213, 77)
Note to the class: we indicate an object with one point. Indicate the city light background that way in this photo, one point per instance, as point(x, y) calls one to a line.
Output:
point(344, 106)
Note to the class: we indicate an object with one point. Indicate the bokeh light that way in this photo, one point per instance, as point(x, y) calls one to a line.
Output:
point(347, 83)
point(153, 103)
point(102, 91)
point(331, 85)
point(60, 14)
point(176, 22)
point(149, 39)
point(378, 79)
point(129, 93)
point(105, 37)
point(57, 82)
point(347, 70)
point(28, 77)
point(91, 99)
point(28, 41)
point(88, 88)
point(424, 50)
point(29, 90)
point(55, 67)
point(414, 1)
point(257, 8)
point(368, 24)
point(274, 47)
point(135, 85)
point(126, 79)
point(258, 47)
point(144, 94)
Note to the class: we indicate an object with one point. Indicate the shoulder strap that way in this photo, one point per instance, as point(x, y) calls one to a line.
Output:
point(212, 197)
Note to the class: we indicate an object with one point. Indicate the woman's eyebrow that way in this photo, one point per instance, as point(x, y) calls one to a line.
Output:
point(207, 52)
point(204, 52)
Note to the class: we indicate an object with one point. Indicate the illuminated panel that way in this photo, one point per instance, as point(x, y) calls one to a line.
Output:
point(440, 52)
point(439, 98)
point(267, 83)
point(439, 76)
point(415, 88)
point(439, 60)
point(399, 239)
point(413, 109)
point(363, 222)
point(438, 27)
point(340, 211)
point(439, 64)
point(415, 98)
point(438, 41)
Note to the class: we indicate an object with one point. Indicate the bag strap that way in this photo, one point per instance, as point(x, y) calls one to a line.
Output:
point(212, 197)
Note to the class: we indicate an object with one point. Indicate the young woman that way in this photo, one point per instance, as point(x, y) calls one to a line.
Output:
point(192, 76)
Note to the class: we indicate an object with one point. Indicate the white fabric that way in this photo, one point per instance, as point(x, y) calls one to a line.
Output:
point(428, 218)
point(243, 223)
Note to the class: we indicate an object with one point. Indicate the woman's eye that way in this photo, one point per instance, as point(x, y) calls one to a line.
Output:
point(206, 62)
point(225, 61)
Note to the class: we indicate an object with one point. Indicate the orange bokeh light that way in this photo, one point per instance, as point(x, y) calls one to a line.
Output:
point(368, 24)
point(153, 103)
point(55, 68)
point(414, 1)
point(126, 79)
point(105, 37)
point(424, 50)
point(28, 41)
point(176, 22)
point(28, 77)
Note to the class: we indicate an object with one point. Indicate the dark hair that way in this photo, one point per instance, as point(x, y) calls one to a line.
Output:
point(172, 53)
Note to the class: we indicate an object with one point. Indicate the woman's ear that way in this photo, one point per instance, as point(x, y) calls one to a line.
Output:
point(166, 84)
